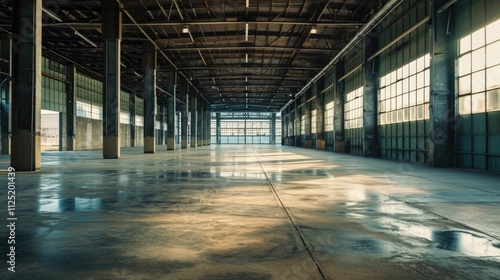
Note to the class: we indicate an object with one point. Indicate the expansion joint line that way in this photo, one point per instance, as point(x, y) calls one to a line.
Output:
point(295, 227)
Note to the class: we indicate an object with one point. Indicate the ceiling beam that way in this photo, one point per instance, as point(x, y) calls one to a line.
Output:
point(93, 25)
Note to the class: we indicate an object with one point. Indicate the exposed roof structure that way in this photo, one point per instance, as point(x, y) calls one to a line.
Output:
point(251, 55)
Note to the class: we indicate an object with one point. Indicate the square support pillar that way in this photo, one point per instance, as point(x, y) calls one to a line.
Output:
point(150, 58)
point(273, 129)
point(200, 121)
point(70, 109)
point(298, 129)
point(441, 87)
point(217, 128)
point(338, 110)
point(184, 126)
point(319, 103)
point(307, 121)
point(5, 90)
point(131, 108)
point(27, 87)
point(171, 110)
point(193, 104)
point(370, 137)
point(208, 125)
point(112, 30)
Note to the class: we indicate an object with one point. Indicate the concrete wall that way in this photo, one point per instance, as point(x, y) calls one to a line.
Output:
point(124, 135)
point(139, 136)
point(88, 134)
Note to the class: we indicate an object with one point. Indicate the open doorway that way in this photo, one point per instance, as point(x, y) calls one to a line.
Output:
point(50, 130)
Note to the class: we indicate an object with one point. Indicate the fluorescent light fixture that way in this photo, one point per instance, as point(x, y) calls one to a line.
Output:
point(52, 15)
point(86, 39)
point(185, 29)
point(246, 58)
point(314, 30)
point(247, 4)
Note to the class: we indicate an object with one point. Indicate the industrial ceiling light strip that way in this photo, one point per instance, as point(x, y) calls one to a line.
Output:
point(52, 15)
point(374, 21)
point(122, 7)
point(93, 25)
point(85, 39)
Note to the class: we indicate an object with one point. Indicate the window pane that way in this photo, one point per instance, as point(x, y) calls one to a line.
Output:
point(478, 103)
point(493, 54)
point(464, 65)
point(493, 100)
point(464, 105)
point(465, 44)
point(478, 39)
point(464, 85)
point(492, 31)
point(493, 77)
point(478, 81)
point(478, 62)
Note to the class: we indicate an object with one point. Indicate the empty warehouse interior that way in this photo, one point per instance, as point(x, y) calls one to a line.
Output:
point(250, 139)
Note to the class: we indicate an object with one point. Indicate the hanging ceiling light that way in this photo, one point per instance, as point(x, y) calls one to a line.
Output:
point(185, 29)
point(314, 30)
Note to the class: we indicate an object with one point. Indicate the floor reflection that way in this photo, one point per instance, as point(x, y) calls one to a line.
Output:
point(77, 204)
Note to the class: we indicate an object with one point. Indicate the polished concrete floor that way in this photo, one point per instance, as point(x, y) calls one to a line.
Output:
point(250, 212)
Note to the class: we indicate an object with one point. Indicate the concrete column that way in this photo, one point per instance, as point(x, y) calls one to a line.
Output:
point(441, 86)
point(200, 121)
point(70, 122)
point(184, 124)
point(307, 123)
point(171, 88)
point(273, 129)
point(150, 105)
point(131, 108)
point(319, 104)
point(370, 142)
point(27, 87)
point(193, 104)
point(217, 128)
point(338, 110)
point(5, 90)
point(208, 127)
point(111, 32)
point(160, 118)
point(298, 128)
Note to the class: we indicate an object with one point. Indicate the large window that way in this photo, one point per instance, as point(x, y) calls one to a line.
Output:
point(89, 97)
point(245, 128)
point(53, 85)
point(404, 93)
point(313, 121)
point(354, 109)
point(479, 70)
point(329, 116)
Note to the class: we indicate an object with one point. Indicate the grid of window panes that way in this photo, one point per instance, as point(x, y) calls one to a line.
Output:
point(479, 71)
point(329, 116)
point(478, 96)
point(313, 121)
point(258, 128)
point(245, 128)
point(139, 112)
point(54, 69)
point(88, 97)
point(53, 85)
point(404, 93)
point(353, 109)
